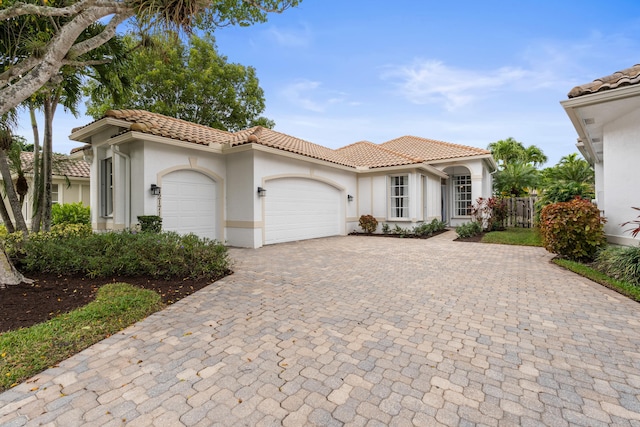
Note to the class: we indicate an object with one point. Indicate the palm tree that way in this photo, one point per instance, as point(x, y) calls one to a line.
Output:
point(509, 150)
point(515, 179)
point(571, 168)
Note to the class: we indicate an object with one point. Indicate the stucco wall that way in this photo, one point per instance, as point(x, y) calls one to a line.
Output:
point(621, 176)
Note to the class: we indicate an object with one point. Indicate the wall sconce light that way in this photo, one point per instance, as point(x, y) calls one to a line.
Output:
point(262, 192)
point(349, 198)
point(155, 190)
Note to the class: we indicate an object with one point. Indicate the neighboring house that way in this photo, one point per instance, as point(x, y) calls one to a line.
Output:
point(259, 186)
point(69, 183)
point(606, 115)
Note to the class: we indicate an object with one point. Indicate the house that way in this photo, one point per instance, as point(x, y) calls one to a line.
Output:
point(606, 116)
point(259, 186)
point(69, 182)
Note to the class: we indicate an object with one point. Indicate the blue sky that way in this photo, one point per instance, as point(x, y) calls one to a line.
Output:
point(470, 72)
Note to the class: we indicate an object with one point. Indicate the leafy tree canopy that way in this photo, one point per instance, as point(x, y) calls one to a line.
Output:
point(189, 81)
point(30, 59)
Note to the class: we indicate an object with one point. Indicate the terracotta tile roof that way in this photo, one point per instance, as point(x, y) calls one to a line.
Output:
point(431, 149)
point(157, 124)
point(368, 154)
point(627, 77)
point(62, 165)
point(406, 150)
point(271, 138)
point(77, 149)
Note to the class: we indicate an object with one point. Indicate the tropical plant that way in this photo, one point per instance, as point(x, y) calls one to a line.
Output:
point(491, 212)
point(188, 81)
point(574, 230)
point(636, 223)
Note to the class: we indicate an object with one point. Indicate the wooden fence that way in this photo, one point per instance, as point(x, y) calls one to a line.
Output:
point(521, 211)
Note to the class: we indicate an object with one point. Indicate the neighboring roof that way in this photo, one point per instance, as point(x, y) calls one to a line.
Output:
point(368, 154)
point(406, 150)
point(62, 165)
point(627, 77)
point(431, 149)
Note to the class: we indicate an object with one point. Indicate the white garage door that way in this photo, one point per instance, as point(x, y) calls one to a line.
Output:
point(298, 209)
point(189, 203)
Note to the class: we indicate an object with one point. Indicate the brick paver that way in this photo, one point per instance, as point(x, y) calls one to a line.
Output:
point(362, 331)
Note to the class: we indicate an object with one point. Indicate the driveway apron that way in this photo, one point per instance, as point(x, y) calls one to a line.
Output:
point(361, 331)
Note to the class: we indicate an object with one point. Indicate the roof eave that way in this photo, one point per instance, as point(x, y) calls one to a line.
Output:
point(463, 158)
point(85, 133)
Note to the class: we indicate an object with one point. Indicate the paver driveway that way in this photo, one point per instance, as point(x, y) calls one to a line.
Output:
point(362, 331)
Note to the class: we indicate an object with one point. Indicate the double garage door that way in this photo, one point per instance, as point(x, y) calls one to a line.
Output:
point(295, 208)
point(189, 203)
point(299, 209)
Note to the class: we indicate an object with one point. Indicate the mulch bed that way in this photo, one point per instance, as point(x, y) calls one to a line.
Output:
point(399, 236)
point(50, 295)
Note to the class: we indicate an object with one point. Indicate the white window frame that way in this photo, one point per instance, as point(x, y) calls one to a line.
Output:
point(462, 195)
point(106, 187)
point(55, 194)
point(399, 197)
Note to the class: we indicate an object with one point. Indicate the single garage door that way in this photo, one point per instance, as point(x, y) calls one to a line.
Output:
point(189, 203)
point(298, 209)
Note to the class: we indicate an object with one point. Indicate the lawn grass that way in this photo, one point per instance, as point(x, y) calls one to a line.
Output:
point(28, 351)
point(514, 236)
point(623, 288)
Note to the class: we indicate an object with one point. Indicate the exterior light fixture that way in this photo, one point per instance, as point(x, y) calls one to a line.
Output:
point(262, 192)
point(155, 190)
point(349, 198)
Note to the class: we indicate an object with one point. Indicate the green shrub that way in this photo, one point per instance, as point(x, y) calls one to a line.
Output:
point(399, 231)
point(619, 262)
point(468, 229)
point(70, 213)
point(104, 255)
point(428, 228)
point(368, 223)
point(574, 230)
point(385, 228)
point(150, 223)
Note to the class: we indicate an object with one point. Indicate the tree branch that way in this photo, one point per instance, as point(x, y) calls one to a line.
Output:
point(21, 9)
point(106, 34)
point(85, 63)
point(11, 95)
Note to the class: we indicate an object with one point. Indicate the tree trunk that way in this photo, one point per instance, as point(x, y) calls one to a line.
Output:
point(5, 217)
point(38, 189)
point(11, 194)
point(8, 273)
point(47, 154)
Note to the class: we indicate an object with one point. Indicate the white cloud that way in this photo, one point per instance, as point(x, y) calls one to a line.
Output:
point(289, 37)
point(307, 94)
point(429, 81)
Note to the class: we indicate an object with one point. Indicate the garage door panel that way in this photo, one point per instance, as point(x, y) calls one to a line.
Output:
point(298, 209)
point(189, 203)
